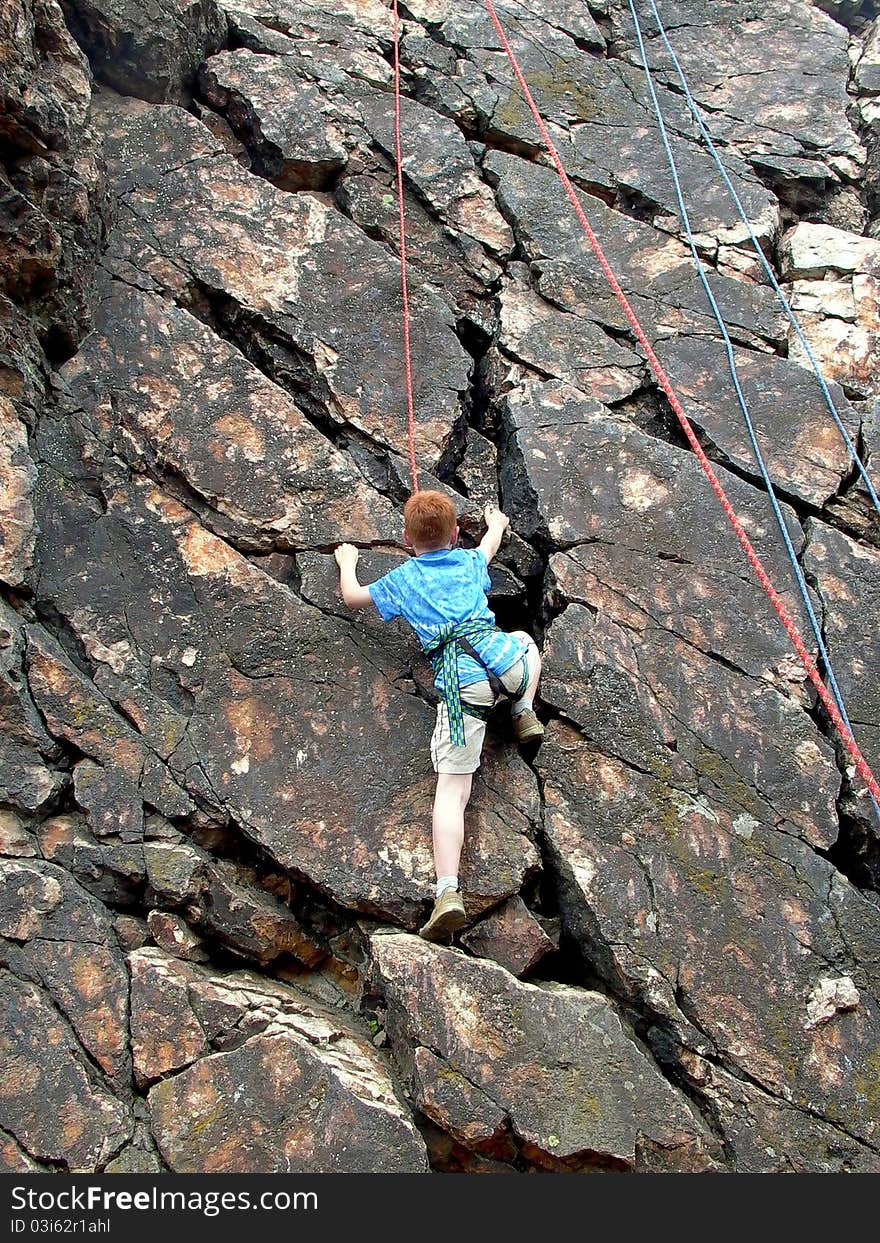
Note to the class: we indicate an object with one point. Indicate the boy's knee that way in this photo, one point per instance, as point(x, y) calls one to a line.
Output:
point(533, 655)
point(454, 787)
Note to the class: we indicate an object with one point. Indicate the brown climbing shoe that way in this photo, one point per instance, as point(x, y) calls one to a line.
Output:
point(447, 917)
point(526, 726)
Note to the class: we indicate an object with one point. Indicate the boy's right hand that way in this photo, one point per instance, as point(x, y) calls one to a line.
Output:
point(346, 554)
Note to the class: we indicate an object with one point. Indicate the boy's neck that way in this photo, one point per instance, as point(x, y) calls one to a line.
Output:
point(419, 550)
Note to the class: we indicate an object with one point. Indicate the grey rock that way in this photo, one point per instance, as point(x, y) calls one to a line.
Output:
point(292, 1074)
point(551, 1058)
point(60, 1084)
point(61, 937)
point(15, 840)
point(847, 576)
point(512, 936)
point(147, 49)
point(110, 869)
point(787, 114)
point(53, 195)
point(657, 277)
point(290, 251)
point(730, 932)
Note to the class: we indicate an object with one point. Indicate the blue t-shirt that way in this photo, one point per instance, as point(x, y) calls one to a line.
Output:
point(436, 588)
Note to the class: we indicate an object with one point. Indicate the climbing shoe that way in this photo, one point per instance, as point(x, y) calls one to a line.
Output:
point(447, 917)
point(526, 726)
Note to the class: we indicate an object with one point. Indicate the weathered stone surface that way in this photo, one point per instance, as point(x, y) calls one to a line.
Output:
point(49, 1100)
point(556, 344)
point(850, 13)
point(439, 164)
point(131, 932)
point(512, 936)
point(52, 190)
point(279, 259)
point(773, 79)
point(649, 608)
point(866, 72)
point(466, 27)
point(443, 259)
point(727, 929)
point(19, 719)
point(76, 711)
point(657, 274)
point(165, 1033)
point(17, 475)
point(610, 132)
point(148, 49)
point(193, 725)
point(15, 840)
point(551, 1058)
point(224, 900)
point(294, 777)
point(847, 576)
point(21, 387)
point(110, 800)
point(799, 441)
point(275, 1102)
point(767, 1135)
point(454, 1103)
point(26, 781)
point(62, 938)
point(836, 292)
point(14, 1160)
point(201, 410)
point(174, 935)
point(138, 1157)
point(341, 25)
point(108, 868)
point(301, 137)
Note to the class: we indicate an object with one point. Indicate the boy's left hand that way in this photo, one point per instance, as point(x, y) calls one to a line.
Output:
point(495, 518)
point(346, 554)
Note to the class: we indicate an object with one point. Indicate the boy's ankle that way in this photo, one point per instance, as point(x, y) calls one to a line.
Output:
point(444, 883)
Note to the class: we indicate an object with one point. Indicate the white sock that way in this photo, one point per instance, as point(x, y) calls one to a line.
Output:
point(446, 882)
point(521, 705)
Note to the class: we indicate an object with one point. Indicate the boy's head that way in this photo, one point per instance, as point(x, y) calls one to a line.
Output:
point(429, 521)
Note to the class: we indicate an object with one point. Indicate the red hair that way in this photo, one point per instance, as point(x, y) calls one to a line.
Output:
point(430, 519)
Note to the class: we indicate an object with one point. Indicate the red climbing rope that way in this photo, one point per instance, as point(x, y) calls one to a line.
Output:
point(663, 380)
point(407, 365)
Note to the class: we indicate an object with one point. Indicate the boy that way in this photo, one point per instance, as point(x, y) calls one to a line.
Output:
point(441, 593)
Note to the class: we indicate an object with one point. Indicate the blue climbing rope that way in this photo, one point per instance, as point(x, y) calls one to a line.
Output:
point(768, 270)
point(740, 396)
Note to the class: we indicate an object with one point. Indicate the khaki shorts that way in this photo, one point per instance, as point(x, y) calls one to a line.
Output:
point(447, 758)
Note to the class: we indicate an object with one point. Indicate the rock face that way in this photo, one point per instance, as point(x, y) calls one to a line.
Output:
point(215, 789)
point(151, 50)
point(565, 1074)
point(254, 1078)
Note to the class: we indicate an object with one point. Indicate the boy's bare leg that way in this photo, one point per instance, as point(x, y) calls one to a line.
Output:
point(533, 656)
point(450, 801)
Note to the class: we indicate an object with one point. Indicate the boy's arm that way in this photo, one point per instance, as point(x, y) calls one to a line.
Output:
point(354, 594)
point(496, 524)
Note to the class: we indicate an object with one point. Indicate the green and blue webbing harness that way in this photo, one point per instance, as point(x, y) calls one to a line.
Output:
point(443, 651)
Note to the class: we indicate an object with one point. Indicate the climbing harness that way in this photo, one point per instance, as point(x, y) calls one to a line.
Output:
point(754, 560)
point(443, 650)
point(740, 396)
